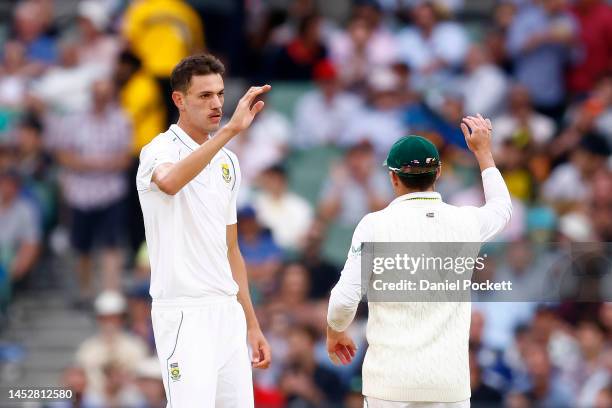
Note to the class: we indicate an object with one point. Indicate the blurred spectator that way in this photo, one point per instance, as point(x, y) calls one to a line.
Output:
point(297, 59)
point(483, 395)
point(261, 254)
point(75, 380)
point(594, 20)
point(595, 364)
point(292, 295)
point(521, 123)
point(540, 40)
point(35, 165)
point(379, 121)
point(150, 384)
point(119, 390)
point(96, 47)
point(65, 88)
point(356, 187)
point(489, 81)
point(601, 204)
point(604, 397)
point(545, 388)
point(139, 312)
point(495, 38)
point(304, 381)
point(30, 27)
point(569, 183)
point(141, 99)
point(94, 153)
point(329, 104)
point(161, 33)
point(286, 214)
point(594, 114)
point(112, 350)
point(13, 77)
point(365, 45)
point(432, 47)
point(323, 274)
point(263, 144)
point(20, 233)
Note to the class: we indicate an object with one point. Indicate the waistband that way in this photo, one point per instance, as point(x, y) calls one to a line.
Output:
point(193, 302)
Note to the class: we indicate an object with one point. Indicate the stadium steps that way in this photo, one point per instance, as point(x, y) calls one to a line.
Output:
point(48, 331)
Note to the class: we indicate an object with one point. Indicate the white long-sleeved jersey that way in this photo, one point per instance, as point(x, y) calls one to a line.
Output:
point(418, 351)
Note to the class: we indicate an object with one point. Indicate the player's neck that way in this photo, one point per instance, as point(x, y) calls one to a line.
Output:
point(192, 131)
point(403, 191)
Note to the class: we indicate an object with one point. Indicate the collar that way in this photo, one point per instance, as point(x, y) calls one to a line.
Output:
point(420, 196)
point(184, 137)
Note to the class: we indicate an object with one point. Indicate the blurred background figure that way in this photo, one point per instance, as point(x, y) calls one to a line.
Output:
point(161, 33)
point(93, 151)
point(112, 352)
point(286, 214)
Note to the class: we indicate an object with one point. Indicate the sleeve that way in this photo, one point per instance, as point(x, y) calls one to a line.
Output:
point(231, 216)
point(159, 151)
point(497, 211)
point(346, 295)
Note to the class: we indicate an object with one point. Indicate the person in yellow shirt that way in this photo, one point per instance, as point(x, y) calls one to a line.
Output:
point(161, 33)
point(141, 98)
point(142, 101)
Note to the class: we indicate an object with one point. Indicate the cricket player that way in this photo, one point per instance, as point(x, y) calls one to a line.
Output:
point(188, 183)
point(418, 352)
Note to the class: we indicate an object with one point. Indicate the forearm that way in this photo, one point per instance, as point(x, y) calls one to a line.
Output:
point(239, 273)
point(343, 304)
point(485, 159)
point(185, 170)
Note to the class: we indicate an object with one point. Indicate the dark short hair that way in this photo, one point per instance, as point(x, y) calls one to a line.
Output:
point(419, 182)
point(199, 64)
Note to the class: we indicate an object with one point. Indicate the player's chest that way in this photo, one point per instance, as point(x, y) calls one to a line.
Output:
point(218, 179)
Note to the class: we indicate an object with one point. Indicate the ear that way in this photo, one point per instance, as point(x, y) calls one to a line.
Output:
point(178, 99)
point(394, 179)
point(438, 172)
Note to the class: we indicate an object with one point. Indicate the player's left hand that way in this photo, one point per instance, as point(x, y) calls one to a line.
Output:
point(247, 108)
point(260, 349)
point(340, 347)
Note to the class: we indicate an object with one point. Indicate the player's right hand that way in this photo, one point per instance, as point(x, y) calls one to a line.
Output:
point(477, 132)
point(246, 110)
point(340, 347)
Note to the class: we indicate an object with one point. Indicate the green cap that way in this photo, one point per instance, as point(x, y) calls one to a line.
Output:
point(413, 155)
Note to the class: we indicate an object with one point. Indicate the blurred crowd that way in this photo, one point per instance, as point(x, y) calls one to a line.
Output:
point(84, 85)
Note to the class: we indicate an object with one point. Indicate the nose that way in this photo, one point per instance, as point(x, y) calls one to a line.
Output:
point(216, 102)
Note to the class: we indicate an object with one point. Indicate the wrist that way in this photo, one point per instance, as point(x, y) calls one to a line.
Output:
point(484, 159)
point(231, 129)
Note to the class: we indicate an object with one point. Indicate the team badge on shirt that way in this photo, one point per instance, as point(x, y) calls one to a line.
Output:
point(175, 372)
point(225, 173)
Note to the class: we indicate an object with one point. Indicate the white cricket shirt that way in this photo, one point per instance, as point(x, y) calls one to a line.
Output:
point(186, 233)
point(418, 351)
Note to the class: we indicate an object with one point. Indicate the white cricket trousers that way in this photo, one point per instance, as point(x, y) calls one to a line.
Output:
point(203, 353)
point(369, 402)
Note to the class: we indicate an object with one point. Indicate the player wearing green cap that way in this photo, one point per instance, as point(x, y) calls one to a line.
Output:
point(418, 352)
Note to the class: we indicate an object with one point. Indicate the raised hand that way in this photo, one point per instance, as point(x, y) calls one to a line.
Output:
point(479, 139)
point(246, 110)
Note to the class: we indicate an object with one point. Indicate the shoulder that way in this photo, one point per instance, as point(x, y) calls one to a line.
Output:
point(230, 155)
point(164, 142)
